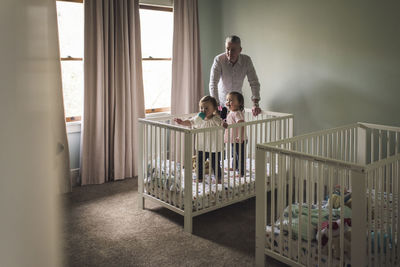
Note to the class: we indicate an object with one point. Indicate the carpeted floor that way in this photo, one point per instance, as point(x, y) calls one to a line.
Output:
point(103, 226)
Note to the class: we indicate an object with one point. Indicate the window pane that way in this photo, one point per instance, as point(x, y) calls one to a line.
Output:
point(70, 28)
point(157, 83)
point(156, 33)
point(72, 80)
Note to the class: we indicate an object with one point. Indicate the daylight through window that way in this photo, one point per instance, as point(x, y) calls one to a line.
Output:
point(70, 31)
point(156, 34)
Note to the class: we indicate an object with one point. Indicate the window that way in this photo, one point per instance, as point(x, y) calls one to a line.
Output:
point(156, 25)
point(70, 31)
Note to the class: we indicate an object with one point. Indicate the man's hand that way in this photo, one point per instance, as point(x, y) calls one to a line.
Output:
point(179, 121)
point(256, 110)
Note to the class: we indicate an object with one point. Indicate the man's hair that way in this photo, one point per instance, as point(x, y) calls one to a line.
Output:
point(240, 99)
point(210, 99)
point(233, 39)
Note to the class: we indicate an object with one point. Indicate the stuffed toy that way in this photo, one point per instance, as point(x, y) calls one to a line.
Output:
point(206, 165)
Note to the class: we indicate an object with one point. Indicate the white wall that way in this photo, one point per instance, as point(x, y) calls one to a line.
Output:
point(329, 63)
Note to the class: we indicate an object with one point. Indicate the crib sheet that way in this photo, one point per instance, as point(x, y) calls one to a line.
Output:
point(169, 186)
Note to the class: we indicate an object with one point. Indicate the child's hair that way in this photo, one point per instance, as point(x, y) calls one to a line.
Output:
point(210, 99)
point(240, 98)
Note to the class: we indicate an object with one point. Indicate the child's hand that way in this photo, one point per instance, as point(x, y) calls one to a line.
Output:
point(177, 120)
point(225, 125)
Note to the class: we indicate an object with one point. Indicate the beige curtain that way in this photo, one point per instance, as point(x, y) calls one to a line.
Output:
point(113, 98)
point(187, 83)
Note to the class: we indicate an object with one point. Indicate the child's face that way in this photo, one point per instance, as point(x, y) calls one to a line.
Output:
point(232, 103)
point(208, 109)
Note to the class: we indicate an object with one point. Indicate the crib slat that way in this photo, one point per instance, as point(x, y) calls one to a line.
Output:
point(158, 158)
point(388, 206)
point(229, 164)
point(197, 174)
point(246, 183)
point(233, 145)
point(341, 174)
point(153, 175)
point(309, 200)
point(370, 209)
point(382, 205)
point(251, 144)
point(203, 167)
point(217, 153)
point(396, 200)
point(210, 152)
point(280, 205)
point(170, 166)
point(319, 199)
point(175, 168)
point(167, 177)
point(145, 159)
point(273, 208)
point(290, 180)
point(224, 156)
point(181, 170)
point(299, 200)
point(330, 189)
point(240, 162)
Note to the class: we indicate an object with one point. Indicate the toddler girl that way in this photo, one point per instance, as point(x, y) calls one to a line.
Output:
point(206, 118)
point(235, 104)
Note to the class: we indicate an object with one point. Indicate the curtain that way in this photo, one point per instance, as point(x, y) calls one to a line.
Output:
point(113, 90)
point(187, 83)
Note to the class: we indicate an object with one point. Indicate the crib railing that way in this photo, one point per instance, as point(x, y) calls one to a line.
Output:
point(172, 154)
point(324, 165)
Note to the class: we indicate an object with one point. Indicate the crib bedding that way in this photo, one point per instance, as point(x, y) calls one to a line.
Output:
point(312, 235)
point(169, 186)
point(280, 233)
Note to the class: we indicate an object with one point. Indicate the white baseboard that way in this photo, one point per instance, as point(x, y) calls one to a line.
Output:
point(75, 179)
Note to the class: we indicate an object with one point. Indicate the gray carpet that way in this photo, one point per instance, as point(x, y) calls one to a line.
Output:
point(104, 227)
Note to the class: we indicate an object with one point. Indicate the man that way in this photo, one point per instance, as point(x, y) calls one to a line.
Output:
point(231, 68)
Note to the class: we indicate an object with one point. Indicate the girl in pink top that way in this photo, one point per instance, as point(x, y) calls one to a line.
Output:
point(236, 136)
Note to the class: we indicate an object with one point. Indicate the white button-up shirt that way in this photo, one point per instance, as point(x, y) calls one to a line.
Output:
point(226, 77)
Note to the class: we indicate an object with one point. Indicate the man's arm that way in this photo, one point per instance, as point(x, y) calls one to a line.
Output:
point(255, 87)
point(253, 81)
point(215, 75)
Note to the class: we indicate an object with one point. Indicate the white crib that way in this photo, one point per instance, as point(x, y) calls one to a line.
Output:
point(307, 220)
point(166, 173)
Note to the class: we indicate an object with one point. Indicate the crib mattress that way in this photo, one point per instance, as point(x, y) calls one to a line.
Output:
point(169, 186)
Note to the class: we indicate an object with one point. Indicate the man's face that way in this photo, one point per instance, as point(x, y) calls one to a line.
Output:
point(232, 51)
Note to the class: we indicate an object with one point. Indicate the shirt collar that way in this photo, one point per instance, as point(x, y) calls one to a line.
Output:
point(239, 61)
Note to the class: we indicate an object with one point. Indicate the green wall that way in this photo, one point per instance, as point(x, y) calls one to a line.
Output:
point(211, 38)
point(329, 63)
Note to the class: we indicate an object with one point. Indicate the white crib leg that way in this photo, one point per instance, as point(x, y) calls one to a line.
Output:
point(188, 223)
point(188, 220)
point(141, 166)
point(141, 202)
point(260, 208)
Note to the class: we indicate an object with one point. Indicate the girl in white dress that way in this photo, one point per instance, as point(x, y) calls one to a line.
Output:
point(208, 117)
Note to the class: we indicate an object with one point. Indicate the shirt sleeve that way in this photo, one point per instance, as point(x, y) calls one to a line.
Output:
point(215, 75)
point(195, 121)
point(239, 116)
point(253, 81)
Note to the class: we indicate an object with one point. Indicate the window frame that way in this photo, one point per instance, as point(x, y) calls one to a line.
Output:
point(69, 58)
point(165, 9)
point(141, 6)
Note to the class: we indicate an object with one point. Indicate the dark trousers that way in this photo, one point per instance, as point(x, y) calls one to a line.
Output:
point(238, 157)
point(207, 156)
